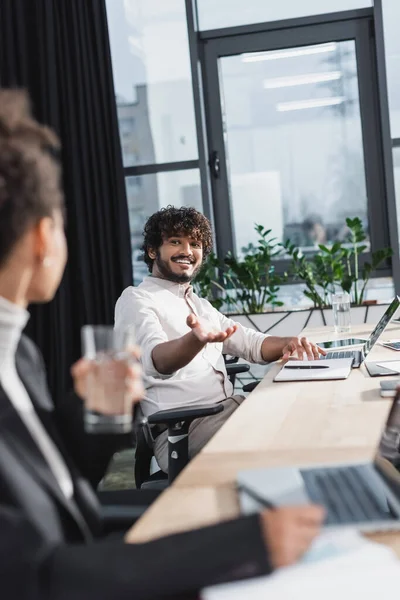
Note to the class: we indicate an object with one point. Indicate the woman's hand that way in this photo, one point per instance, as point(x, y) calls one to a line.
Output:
point(125, 374)
point(289, 532)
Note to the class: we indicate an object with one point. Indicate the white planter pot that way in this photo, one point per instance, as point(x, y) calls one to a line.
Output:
point(292, 322)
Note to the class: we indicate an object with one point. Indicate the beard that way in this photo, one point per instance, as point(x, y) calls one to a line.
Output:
point(169, 274)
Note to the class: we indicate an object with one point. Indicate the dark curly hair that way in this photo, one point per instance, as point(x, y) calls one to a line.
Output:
point(171, 221)
point(29, 175)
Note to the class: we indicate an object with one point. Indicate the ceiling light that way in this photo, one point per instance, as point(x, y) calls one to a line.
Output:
point(314, 103)
point(289, 53)
point(280, 82)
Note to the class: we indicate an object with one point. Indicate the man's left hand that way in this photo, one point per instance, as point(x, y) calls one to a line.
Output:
point(301, 347)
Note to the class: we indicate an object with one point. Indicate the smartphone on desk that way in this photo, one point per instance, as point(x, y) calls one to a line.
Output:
point(388, 388)
point(392, 345)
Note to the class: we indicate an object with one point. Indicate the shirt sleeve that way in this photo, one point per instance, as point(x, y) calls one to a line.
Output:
point(137, 308)
point(244, 343)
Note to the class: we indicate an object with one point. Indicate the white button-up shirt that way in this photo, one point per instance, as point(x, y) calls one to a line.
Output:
point(158, 310)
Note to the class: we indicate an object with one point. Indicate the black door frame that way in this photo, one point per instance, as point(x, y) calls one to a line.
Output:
point(357, 25)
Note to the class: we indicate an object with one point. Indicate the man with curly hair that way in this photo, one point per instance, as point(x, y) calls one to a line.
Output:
point(183, 337)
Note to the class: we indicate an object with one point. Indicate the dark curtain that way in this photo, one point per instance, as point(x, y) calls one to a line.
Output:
point(59, 51)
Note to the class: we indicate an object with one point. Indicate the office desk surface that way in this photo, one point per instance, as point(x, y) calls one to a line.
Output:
point(278, 424)
point(292, 415)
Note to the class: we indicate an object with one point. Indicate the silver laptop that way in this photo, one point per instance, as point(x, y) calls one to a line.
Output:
point(363, 495)
point(360, 355)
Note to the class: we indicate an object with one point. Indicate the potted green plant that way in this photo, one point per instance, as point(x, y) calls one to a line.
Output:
point(248, 288)
point(245, 285)
point(336, 267)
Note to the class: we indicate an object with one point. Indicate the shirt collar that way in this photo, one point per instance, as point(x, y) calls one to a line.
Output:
point(178, 289)
point(13, 319)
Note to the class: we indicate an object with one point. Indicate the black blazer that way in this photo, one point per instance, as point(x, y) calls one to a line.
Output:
point(51, 548)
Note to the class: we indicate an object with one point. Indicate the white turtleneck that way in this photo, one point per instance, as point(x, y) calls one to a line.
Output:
point(13, 319)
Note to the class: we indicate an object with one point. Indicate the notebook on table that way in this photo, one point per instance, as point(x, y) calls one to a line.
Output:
point(315, 370)
point(383, 368)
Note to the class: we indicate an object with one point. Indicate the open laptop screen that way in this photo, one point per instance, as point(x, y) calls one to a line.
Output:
point(383, 323)
point(387, 459)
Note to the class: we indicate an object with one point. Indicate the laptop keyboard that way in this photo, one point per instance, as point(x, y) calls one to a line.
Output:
point(338, 354)
point(347, 494)
point(356, 354)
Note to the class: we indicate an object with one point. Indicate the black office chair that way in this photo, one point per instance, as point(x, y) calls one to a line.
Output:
point(233, 368)
point(177, 421)
point(122, 508)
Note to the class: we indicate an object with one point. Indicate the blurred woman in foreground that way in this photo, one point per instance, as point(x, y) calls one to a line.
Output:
point(50, 525)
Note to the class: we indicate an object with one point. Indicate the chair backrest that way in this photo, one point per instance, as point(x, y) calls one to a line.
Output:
point(144, 451)
point(143, 456)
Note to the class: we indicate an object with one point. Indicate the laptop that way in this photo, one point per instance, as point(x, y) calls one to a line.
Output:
point(360, 355)
point(363, 494)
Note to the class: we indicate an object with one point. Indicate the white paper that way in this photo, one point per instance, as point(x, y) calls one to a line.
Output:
point(338, 368)
point(393, 365)
point(341, 566)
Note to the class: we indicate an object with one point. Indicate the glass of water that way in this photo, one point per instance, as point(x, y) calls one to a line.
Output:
point(108, 405)
point(341, 312)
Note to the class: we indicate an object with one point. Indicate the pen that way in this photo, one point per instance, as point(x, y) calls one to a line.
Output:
point(263, 501)
point(307, 367)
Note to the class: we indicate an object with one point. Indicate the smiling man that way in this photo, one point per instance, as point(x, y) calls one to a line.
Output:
point(182, 337)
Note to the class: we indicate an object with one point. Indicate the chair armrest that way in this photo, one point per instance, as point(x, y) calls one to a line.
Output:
point(234, 369)
point(231, 360)
point(184, 413)
point(249, 387)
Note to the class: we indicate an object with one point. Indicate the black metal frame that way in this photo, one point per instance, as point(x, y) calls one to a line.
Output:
point(357, 25)
point(199, 108)
point(161, 167)
point(286, 23)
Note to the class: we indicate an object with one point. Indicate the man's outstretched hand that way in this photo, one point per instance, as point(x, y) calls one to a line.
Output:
point(301, 347)
point(206, 332)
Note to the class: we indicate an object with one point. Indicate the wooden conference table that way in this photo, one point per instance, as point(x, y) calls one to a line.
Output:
point(278, 424)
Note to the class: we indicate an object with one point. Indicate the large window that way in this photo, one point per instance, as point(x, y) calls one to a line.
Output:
point(294, 128)
point(271, 124)
point(153, 85)
point(148, 193)
point(294, 142)
point(391, 20)
point(396, 168)
point(152, 79)
point(389, 10)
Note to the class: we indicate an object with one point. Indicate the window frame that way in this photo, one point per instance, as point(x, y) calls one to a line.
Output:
point(290, 22)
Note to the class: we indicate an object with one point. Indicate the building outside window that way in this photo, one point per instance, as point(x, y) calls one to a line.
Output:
point(152, 78)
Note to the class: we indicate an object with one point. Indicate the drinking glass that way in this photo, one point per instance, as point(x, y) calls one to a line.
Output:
point(341, 312)
point(108, 405)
